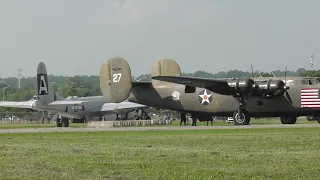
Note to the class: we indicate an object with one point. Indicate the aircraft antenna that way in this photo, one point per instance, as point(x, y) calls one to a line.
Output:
point(252, 72)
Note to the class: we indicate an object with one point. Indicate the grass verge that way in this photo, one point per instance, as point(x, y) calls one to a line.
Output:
point(37, 125)
point(291, 153)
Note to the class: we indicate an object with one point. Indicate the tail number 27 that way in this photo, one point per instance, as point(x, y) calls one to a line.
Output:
point(116, 77)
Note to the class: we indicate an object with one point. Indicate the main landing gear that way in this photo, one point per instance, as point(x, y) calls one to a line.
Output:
point(288, 120)
point(62, 122)
point(241, 116)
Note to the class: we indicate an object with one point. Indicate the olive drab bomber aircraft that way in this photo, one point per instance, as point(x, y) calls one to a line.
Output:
point(78, 108)
point(241, 98)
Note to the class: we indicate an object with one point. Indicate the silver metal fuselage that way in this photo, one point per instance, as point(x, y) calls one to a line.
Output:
point(91, 108)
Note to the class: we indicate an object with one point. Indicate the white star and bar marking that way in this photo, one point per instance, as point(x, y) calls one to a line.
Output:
point(205, 97)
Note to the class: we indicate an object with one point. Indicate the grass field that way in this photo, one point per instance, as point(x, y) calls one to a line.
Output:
point(174, 123)
point(35, 125)
point(252, 121)
point(191, 154)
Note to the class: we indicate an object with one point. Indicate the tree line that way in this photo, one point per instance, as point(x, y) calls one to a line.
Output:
point(90, 85)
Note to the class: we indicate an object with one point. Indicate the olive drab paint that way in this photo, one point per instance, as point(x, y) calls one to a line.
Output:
point(115, 73)
point(205, 97)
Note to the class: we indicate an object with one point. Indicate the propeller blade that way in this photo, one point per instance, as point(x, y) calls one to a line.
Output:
point(285, 77)
point(251, 71)
point(288, 96)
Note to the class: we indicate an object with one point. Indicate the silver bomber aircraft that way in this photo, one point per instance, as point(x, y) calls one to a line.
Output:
point(78, 108)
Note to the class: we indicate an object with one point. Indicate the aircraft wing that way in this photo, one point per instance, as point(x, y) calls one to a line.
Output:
point(67, 102)
point(122, 105)
point(219, 86)
point(17, 104)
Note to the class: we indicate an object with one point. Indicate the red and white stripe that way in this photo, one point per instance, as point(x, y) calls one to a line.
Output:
point(310, 97)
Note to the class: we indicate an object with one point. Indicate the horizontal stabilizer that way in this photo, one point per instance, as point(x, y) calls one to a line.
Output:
point(219, 86)
point(17, 104)
point(122, 105)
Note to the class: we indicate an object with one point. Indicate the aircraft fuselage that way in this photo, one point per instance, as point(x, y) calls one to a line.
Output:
point(174, 96)
point(90, 108)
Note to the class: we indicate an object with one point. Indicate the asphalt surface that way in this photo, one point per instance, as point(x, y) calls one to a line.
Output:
point(71, 129)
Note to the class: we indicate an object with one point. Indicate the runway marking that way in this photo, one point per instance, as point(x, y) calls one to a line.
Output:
point(62, 129)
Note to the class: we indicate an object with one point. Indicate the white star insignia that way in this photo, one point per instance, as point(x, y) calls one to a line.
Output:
point(205, 97)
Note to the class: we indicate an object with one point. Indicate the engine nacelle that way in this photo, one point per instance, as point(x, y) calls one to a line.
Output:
point(271, 87)
point(241, 85)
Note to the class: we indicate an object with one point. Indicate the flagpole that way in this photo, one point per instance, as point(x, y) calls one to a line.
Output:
point(311, 61)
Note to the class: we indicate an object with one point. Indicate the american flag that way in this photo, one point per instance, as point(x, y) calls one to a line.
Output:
point(310, 97)
point(311, 60)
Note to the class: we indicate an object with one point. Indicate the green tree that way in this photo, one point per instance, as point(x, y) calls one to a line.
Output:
point(265, 74)
point(311, 73)
point(299, 71)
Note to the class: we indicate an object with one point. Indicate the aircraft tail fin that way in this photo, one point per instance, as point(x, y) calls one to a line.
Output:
point(44, 91)
point(115, 79)
point(116, 82)
point(164, 67)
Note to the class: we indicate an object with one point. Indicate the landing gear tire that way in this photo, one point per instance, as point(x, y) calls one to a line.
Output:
point(77, 120)
point(117, 117)
point(65, 122)
point(82, 120)
point(318, 121)
point(59, 123)
point(85, 119)
point(288, 120)
point(243, 119)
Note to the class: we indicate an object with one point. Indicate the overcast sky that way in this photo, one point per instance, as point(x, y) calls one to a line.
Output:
point(75, 36)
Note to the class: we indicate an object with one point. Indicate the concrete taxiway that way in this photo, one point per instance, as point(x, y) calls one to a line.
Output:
point(70, 129)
